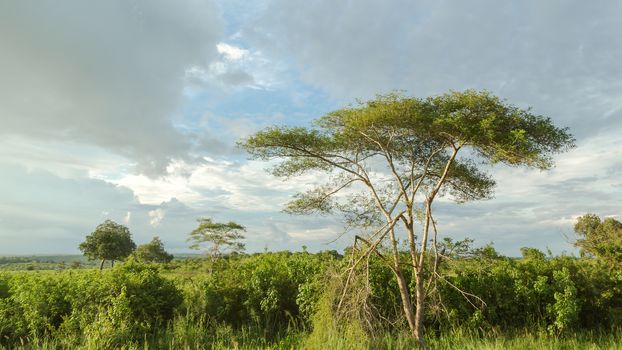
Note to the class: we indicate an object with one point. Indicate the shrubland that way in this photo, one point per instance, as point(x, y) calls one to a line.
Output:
point(295, 300)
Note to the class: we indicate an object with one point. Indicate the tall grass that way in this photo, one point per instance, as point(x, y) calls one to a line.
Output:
point(187, 334)
point(183, 333)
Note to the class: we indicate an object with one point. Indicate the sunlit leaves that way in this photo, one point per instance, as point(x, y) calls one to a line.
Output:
point(393, 144)
point(602, 239)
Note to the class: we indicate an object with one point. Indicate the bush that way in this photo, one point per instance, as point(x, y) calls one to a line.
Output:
point(128, 301)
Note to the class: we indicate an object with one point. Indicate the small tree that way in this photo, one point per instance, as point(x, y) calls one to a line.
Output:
point(220, 237)
point(153, 252)
point(109, 241)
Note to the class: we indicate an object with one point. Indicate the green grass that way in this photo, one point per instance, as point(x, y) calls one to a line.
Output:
point(184, 335)
point(535, 341)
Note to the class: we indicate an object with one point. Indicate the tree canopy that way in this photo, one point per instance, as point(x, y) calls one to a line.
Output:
point(109, 241)
point(217, 238)
point(389, 158)
point(600, 238)
point(153, 252)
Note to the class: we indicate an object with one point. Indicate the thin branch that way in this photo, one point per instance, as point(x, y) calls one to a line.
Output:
point(428, 204)
point(355, 263)
point(466, 295)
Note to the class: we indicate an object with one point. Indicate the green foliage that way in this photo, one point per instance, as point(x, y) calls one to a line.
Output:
point(410, 131)
point(532, 253)
point(109, 241)
point(269, 290)
point(565, 310)
point(285, 300)
point(153, 252)
point(221, 237)
point(115, 307)
point(602, 239)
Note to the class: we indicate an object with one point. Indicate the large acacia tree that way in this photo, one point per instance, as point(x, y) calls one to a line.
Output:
point(390, 158)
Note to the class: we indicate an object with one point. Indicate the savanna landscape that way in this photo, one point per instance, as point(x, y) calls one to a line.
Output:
point(310, 175)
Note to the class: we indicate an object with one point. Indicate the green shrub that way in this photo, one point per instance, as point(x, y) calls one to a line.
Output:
point(119, 305)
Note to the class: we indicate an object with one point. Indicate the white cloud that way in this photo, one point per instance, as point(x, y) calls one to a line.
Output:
point(156, 215)
point(237, 68)
point(236, 186)
point(59, 220)
point(230, 52)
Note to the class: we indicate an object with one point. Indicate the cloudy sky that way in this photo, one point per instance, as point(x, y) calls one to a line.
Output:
point(130, 110)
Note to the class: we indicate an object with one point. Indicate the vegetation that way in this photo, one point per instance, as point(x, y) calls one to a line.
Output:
point(109, 241)
point(289, 300)
point(219, 237)
point(153, 252)
point(395, 155)
point(601, 238)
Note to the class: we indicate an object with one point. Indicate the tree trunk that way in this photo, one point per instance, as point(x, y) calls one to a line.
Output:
point(407, 305)
point(101, 266)
point(420, 308)
point(112, 263)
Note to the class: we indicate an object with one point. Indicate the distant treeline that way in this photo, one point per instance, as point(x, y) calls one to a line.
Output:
point(58, 262)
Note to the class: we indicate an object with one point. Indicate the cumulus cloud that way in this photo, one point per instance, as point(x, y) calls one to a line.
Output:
point(235, 186)
point(236, 68)
point(108, 73)
point(72, 207)
point(236, 77)
point(156, 216)
point(230, 52)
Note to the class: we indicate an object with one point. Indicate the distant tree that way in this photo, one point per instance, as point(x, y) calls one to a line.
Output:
point(153, 252)
point(600, 238)
point(532, 254)
point(109, 241)
point(220, 238)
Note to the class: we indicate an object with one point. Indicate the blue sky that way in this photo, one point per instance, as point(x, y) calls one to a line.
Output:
point(131, 110)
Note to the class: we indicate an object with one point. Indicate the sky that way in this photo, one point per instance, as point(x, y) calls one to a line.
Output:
point(130, 111)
